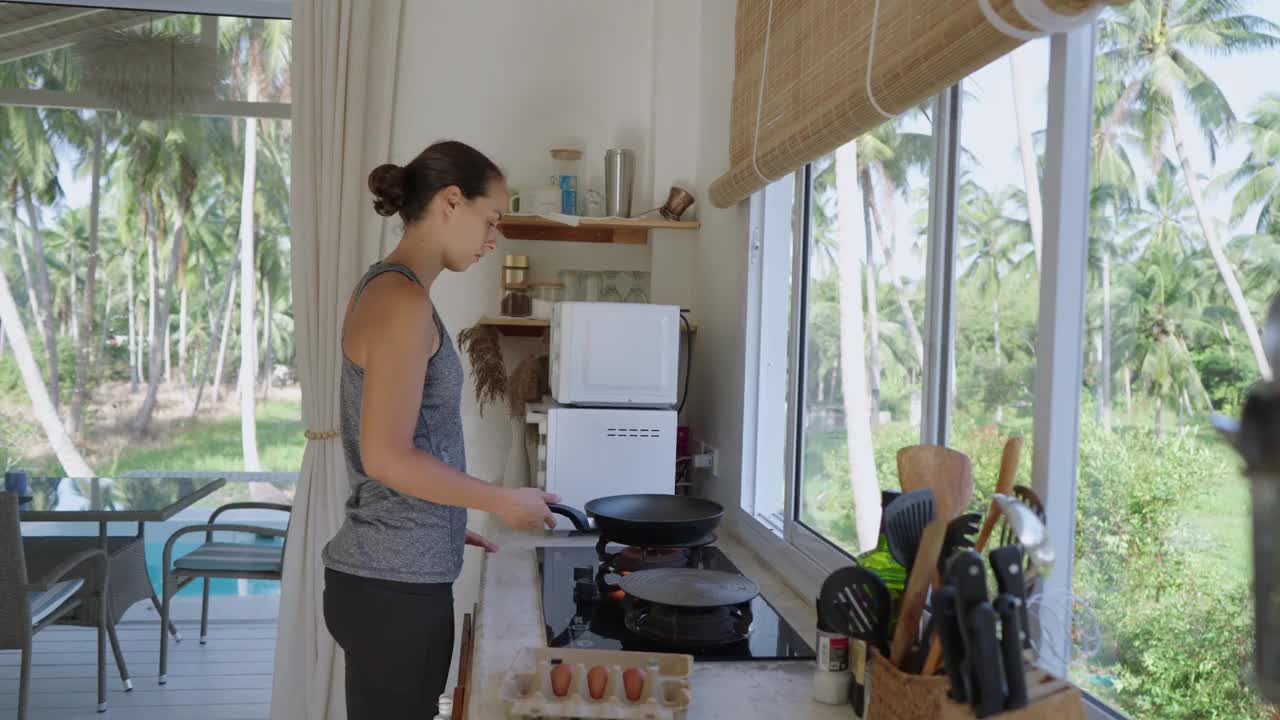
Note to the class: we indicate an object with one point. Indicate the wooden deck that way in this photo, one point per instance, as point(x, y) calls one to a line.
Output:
point(228, 679)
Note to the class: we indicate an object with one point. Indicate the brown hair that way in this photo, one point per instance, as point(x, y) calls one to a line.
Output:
point(409, 190)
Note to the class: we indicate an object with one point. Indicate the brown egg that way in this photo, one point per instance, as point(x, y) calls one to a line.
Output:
point(597, 678)
point(633, 683)
point(561, 676)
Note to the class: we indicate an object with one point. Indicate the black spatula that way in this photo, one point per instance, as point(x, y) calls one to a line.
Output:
point(854, 600)
point(904, 521)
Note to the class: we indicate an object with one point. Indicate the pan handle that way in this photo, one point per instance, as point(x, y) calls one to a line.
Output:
point(576, 516)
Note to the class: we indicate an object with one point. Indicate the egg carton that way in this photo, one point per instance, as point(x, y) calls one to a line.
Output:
point(527, 693)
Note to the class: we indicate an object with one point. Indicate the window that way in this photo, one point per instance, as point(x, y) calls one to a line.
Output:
point(1163, 576)
point(168, 149)
point(1150, 606)
point(860, 372)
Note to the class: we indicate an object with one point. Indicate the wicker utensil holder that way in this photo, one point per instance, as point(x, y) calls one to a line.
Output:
point(896, 695)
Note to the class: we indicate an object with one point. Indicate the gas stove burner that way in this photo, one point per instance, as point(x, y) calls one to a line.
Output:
point(688, 627)
point(604, 542)
point(584, 607)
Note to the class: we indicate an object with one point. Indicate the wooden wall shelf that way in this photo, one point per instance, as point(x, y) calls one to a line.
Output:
point(533, 327)
point(627, 231)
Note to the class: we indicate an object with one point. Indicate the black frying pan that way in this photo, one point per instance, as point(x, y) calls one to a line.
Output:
point(646, 520)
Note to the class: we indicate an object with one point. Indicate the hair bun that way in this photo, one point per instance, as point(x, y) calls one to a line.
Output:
point(387, 183)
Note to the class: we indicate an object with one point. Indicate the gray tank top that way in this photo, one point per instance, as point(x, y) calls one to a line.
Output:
point(387, 535)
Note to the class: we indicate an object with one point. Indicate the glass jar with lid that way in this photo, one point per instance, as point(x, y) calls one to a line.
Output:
point(515, 271)
point(545, 296)
point(517, 302)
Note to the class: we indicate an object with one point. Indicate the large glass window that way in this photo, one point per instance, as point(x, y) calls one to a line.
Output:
point(860, 383)
point(1184, 242)
point(133, 307)
point(1184, 250)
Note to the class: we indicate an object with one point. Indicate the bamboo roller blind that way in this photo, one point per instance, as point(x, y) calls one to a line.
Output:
point(815, 92)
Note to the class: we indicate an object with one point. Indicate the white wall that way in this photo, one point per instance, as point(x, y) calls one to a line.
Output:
point(721, 266)
point(516, 79)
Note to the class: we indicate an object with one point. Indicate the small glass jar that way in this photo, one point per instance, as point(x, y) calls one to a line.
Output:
point(517, 302)
point(515, 271)
point(591, 285)
point(610, 289)
point(545, 296)
point(571, 282)
point(639, 286)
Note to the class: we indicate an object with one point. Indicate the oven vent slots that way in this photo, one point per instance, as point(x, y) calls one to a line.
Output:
point(634, 432)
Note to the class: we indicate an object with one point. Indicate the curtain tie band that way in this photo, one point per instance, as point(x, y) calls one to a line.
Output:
point(321, 435)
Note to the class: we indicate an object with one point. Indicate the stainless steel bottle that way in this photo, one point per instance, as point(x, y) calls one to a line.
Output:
point(619, 177)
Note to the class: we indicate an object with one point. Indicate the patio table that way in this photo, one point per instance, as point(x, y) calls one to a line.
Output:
point(105, 500)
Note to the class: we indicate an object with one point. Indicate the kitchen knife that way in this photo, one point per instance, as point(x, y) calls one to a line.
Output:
point(952, 642)
point(968, 575)
point(1006, 607)
point(1007, 564)
point(985, 660)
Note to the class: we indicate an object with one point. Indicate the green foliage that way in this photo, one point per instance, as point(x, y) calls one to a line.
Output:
point(1226, 379)
point(1176, 634)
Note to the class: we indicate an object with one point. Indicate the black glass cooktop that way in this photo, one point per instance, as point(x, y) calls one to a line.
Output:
point(577, 615)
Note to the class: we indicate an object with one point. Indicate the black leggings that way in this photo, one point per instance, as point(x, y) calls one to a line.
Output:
point(398, 641)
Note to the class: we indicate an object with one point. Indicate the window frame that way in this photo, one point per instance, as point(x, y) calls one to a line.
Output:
point(802, 557)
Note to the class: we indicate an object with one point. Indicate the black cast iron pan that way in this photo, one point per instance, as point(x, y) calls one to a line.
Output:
point(646, 520)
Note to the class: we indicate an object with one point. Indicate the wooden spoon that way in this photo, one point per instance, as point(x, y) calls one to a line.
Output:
point(922, 573)
point(1004, 486)
point(948, 473)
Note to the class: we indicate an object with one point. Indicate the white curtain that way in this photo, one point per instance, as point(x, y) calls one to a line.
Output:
point(344, 70)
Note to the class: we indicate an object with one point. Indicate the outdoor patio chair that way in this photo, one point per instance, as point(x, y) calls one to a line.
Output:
point(239, 560)
point(29, 606)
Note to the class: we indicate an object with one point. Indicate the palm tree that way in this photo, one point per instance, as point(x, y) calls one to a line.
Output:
point(862, 467)
point(1168, 308)
point(42, 406)
point(1148, 42)
point(992, 244)
point(182, 148)
point(1258, 179)
point(95, 129)
point(263, 45)
point(31, 169)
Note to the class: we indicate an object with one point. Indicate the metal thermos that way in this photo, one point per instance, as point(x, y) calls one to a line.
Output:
point(619, 176)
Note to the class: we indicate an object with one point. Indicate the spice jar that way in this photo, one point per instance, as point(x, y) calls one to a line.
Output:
point(517, 302)
point(515, 271)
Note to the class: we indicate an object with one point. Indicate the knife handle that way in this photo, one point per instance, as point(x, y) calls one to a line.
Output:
point(1006, 606)
point(985, 662)
point(1008, 564)
point(951, 641)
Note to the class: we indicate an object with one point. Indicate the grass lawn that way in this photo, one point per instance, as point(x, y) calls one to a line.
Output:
point(1221, 526)
point(215, 445)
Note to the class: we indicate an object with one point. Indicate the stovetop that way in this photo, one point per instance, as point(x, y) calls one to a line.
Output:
point(595, 620)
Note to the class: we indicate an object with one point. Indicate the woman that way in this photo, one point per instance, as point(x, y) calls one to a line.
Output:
point(389, 572)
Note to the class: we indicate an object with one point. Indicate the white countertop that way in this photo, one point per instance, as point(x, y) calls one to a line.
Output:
point(510, 618)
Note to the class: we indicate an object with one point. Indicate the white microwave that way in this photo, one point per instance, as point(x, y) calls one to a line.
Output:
point(615, 354)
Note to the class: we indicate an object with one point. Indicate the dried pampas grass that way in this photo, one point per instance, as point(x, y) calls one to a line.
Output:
point(150, 74)
point(488, 369)
point(529, 382)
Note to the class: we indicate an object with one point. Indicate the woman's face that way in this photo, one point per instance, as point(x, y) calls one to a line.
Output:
point(473, 226)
